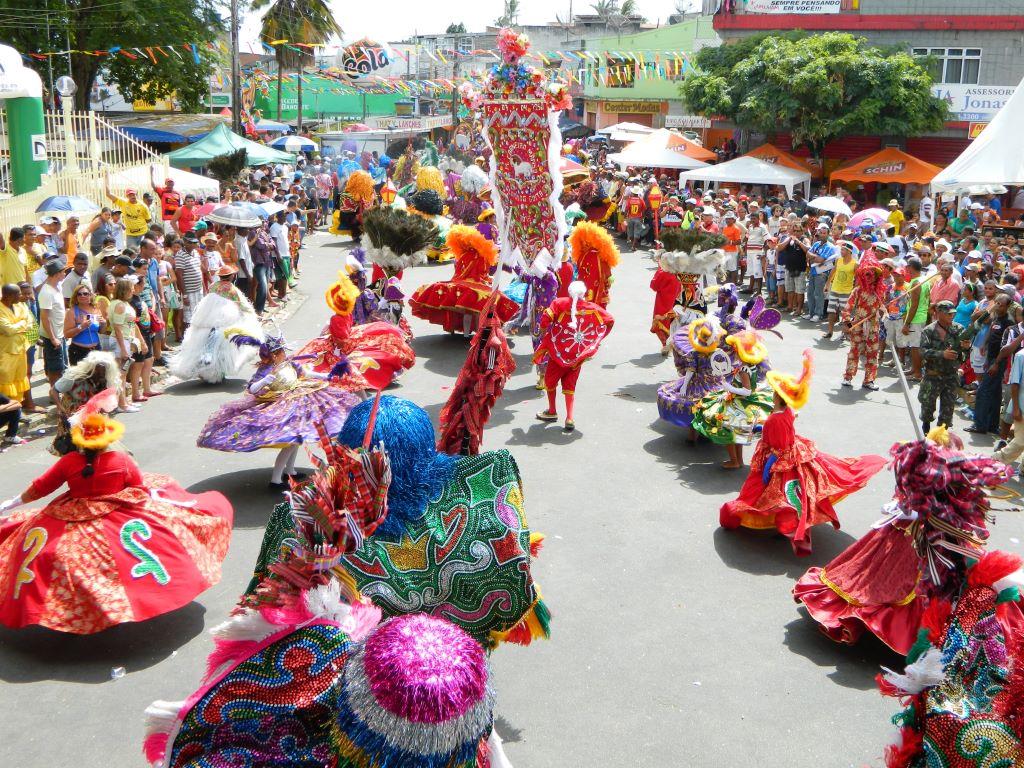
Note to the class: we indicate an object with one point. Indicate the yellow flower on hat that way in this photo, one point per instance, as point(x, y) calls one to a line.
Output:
point(749, 347)
point(703, 336)
point(96, 431)
point(794, 391)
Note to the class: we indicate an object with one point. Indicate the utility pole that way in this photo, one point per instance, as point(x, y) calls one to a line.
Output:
point(236, 74)
point(455, 88)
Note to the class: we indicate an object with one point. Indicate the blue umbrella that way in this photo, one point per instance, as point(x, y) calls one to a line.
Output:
point(67, 204)
point(294, 144)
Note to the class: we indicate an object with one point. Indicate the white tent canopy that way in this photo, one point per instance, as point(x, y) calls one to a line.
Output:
point(626, 132)
point(995, 157)
point(184, 182)
point(751, 170)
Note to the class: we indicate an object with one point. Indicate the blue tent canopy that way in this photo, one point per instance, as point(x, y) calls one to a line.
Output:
point(154, 135)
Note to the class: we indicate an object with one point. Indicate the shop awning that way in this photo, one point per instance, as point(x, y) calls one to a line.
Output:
point(154, 135)
point(221, 141)
point(888, 166)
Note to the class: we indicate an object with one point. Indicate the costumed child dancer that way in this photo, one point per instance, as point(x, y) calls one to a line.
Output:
point(792, 485)
point(916, 554)
point(376, 351)
point(595, 255)
point(702, 366)
point(352, 205)
point(456, 304)
point(283, 407)
point(572, 331)
point(205, 352)
point(118, 546)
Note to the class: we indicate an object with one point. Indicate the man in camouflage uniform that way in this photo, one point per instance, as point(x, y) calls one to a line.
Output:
point(943, 352)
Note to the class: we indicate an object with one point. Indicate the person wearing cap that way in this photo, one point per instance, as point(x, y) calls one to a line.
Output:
point(134, 213)
point(821, 256)
point(634, 208)
point(945, 287)
point(896, 217)
point(190, 269)
point(944, 349)
point(707, 219)
point(997, 319)
point(757, 266)
point(50, 226)
point(32, 251)
point(915, 315)
point(733, 234)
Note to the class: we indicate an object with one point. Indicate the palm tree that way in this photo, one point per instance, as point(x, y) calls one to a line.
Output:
point(297, 21)
point(511, 15)
point(606, 8)
point(629, 10)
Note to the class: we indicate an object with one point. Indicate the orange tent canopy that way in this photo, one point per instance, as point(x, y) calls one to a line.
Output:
point(769, 153)
point(888, 166)
point(666, 139)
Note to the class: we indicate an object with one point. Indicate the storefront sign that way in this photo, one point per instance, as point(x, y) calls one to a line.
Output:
point(974, 130)
point(396, 122)
point(686, 121)
point(794, 6)
point(884, 168)
point(218, 100)
point(973, 103)
point(634, 107)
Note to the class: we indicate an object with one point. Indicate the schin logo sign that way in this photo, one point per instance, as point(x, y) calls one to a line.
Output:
point(878, 170)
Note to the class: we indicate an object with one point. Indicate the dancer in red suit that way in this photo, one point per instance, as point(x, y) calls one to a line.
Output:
point(377, 352)
point(595, 254)
point(792, 485)
point(456, 304)
point(118, 546)
point(572, 330)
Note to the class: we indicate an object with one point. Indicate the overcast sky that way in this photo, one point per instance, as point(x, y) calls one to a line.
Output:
point(393, 20)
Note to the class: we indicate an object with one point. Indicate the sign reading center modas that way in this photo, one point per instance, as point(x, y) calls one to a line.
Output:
point(794, 6)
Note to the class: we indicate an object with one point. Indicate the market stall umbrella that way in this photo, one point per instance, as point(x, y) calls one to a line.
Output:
point(888, 166)
point(992, 158)
point(67, 204)
point(876, 214)
point(294, 144)
point(271, 207)
point(572, 171)
point(221, 141)
point(831, 204)
point(207, 208)
point(772, 154)
point(271, 126)
point(665, 139)
point(663, 149)
point(236, 215)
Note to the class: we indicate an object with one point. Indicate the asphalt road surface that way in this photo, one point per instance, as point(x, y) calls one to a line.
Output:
point(674, 643)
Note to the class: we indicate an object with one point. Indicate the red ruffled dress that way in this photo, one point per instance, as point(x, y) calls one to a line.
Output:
point(872, 585)
point(444, 303)
point(118, 546)
point(377, 352)
point(666, 287)
point(803, 484)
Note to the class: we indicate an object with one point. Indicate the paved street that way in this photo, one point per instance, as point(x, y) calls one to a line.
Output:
point(674, 643)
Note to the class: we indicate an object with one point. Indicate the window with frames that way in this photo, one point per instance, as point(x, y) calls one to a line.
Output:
point(465, 44)
point(952, 65)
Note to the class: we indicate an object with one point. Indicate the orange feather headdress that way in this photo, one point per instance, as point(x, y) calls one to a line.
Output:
point(592, 238)
point(463, 240)
point(360, 186)
point(341, 295)
point(793, 390)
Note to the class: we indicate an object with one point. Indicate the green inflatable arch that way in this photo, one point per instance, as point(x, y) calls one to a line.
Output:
point(22, 91)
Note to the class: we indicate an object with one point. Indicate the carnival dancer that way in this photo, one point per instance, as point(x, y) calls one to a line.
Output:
point(963, 687)
point(442, 510)
point(118, 546)
point(80, 383)
point(281, 408)
point(572, 330)
point(862, 317)
point(702, 366)
point(365, 307)
point(686, 269)
point(485, 224)
point(730, 416)
point(541, 290)
point(327, 701)
point(456, 304)
point(205, 352)
point(595, 255)
point(352, 205)
point(376, 352)
point(792, 485)
point(466, 205)
point(886, 581)
point(428, 204)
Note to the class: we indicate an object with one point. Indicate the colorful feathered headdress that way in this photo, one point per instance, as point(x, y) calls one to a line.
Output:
point(429, 177)
point(341, 295)
point(794, 390)
point(465, 241)
point(589, 238)
point(395, 239)
point(91, 428)
point(360, 186)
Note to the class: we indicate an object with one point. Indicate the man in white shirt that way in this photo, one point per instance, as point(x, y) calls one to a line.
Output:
point(926, 212)
point(78, 275)
point(279, 232)
point(51, 321)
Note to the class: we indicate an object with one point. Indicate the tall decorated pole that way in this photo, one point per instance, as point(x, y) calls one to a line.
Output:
point(519, 107)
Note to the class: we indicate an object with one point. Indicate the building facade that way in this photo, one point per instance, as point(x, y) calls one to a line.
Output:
point(975, 52)
point(636, 78)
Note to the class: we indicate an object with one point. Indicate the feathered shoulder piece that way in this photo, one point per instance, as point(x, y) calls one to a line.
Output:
point(473, 180)
point(396, 239)
point(690, 251)
point(465, 241)
point(589, 238)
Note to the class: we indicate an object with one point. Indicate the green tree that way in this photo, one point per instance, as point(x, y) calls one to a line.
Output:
point(298, 22)
point(818, 88)
point(456, 29)
point(511, 15)
point(629, 9)
point(95, 25)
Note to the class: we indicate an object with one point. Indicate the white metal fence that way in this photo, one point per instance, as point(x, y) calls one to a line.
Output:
point(82, 149)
